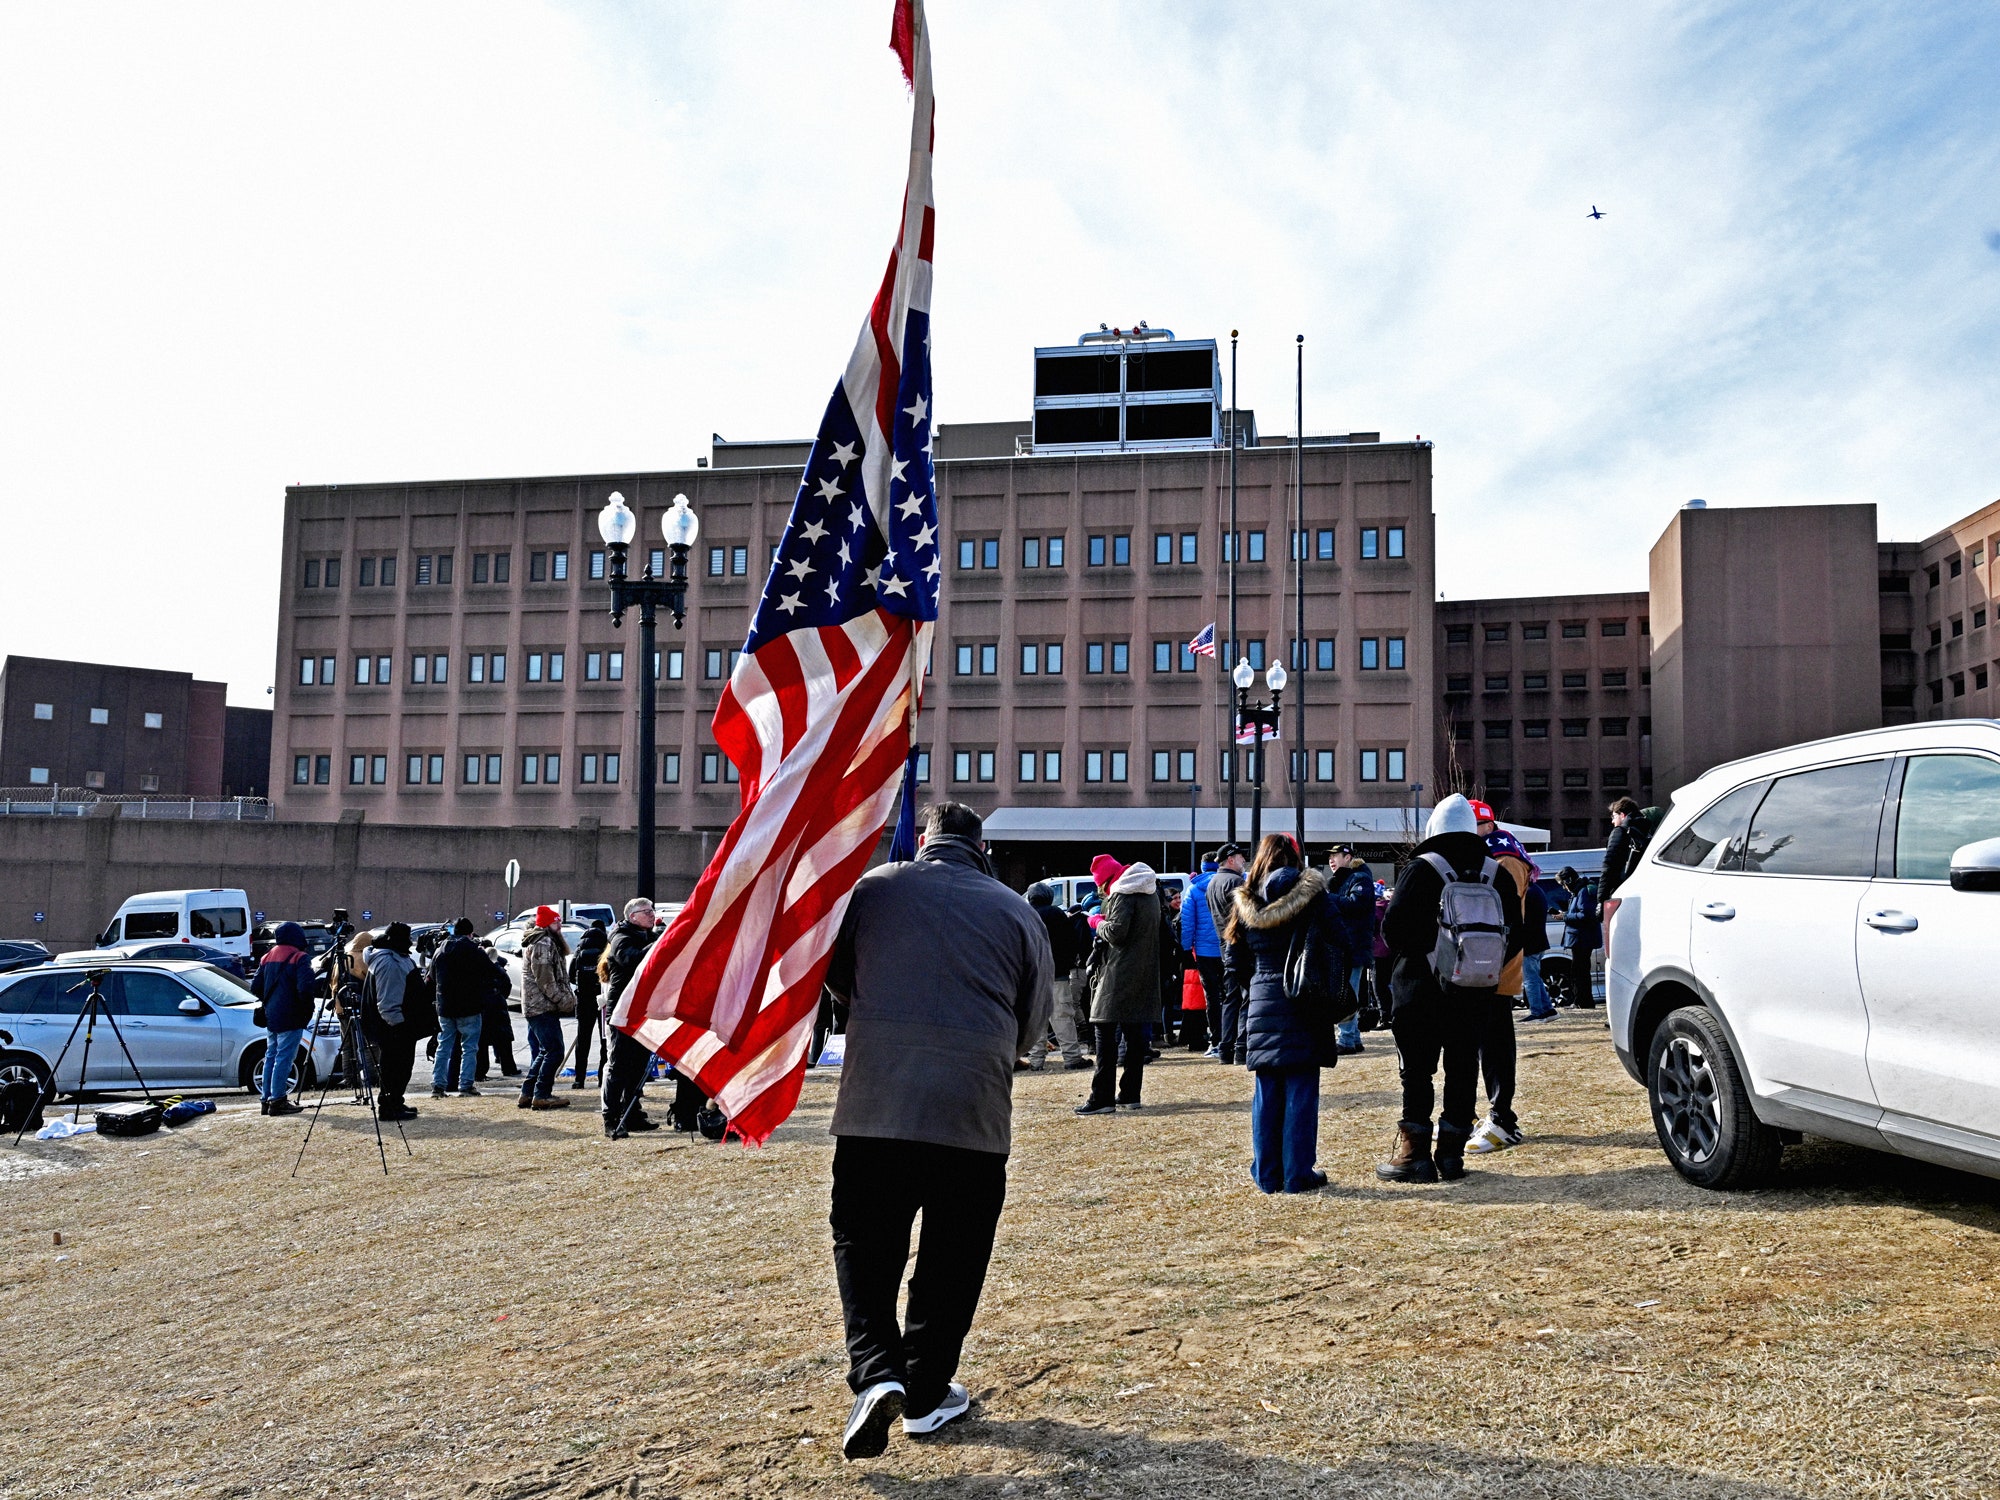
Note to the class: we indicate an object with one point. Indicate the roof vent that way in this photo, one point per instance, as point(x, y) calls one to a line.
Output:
point(1695, 505)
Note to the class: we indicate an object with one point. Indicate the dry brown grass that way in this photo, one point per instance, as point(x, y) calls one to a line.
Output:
point(522, 1310)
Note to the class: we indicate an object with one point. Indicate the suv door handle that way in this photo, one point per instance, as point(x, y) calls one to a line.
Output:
point(1717, 911)
point(1891, 921)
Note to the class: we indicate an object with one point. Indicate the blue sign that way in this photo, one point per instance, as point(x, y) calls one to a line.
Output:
point(260, 916)
point(498, 916)
point(41, 916)
point(368, 916)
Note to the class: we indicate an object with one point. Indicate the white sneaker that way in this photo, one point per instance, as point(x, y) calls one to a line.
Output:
point(1490, 1137)
point(867, 1431)
point(956, 1404)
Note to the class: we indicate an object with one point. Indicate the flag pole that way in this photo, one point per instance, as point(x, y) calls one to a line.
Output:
point(1228, 654)
point(1299, 767)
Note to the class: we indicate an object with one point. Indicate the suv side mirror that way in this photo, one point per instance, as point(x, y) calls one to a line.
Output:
point(193, 1007)
point(1976, 867)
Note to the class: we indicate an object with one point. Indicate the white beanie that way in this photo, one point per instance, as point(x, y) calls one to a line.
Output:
point(1453, 815)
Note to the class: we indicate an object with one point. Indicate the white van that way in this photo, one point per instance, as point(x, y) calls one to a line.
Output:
point(217, 917)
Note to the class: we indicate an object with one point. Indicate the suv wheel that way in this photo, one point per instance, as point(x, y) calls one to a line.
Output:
point(1701, 1110)
point(1556, 979)
point(23, 1067)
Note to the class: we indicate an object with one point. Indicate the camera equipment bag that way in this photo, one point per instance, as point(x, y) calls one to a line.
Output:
point(1472, 927)
point(128, 1119)
point(20, 1104)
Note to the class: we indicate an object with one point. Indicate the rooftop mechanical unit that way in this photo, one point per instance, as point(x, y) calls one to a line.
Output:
point(1128, 389)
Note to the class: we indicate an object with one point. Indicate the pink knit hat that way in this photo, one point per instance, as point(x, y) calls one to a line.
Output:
point(1104, 869)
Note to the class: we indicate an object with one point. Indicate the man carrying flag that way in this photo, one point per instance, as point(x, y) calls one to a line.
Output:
point(947, 971)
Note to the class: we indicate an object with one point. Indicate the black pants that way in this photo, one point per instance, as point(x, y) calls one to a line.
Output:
point(1426, 1031)
point(395, 1057)
point(879, 1186)
point(1493, 1023)
point(496, 1041)
point(624, 1076)
point(1211, 989)
point(586, 1033)
point(1133, 1079)
point(1234, 1005)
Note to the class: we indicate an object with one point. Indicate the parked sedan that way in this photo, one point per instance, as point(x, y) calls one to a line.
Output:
point(21, 953)
point(232, 964)
point(185, 1025)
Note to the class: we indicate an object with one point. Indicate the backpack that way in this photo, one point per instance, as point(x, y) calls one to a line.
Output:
point(1316, 982)
point(1472, 927)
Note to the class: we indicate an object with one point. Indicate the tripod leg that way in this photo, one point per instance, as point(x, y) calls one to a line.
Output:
point(325, 1084)
point(49, 1089)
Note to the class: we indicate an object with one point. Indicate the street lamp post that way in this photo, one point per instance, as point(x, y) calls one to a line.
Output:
point(647, 593)
point(1259, 717)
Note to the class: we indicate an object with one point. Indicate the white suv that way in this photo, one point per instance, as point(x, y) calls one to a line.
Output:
point(1809, 945)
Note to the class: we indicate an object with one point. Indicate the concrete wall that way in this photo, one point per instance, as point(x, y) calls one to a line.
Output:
point(77, 870)
point(1766, 632)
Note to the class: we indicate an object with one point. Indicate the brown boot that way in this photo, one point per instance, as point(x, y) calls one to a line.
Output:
point(1411, 1161)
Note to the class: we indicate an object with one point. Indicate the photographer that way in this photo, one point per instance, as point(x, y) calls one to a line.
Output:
point(463, 975)
point(583, 975)
point(496, 1027)
point(394, 1012)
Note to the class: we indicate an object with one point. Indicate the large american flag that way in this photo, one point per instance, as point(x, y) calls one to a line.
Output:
point(819, 712)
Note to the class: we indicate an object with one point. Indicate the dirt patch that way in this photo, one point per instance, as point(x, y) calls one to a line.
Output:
point(522, 1309)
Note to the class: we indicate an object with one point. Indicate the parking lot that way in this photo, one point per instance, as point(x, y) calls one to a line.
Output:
point(521, 1309)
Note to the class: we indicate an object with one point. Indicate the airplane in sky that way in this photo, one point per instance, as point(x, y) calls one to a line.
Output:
point(1595, 212)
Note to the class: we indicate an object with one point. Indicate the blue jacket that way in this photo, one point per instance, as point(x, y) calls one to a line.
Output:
point(285, 981)
point(1198, 934)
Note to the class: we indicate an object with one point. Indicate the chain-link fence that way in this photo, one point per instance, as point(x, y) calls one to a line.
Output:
point(77, 802)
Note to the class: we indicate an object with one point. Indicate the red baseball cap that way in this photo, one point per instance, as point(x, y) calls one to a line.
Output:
point(1482, 812)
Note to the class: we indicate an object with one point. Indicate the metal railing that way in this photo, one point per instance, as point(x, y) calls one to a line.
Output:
point(78, 802)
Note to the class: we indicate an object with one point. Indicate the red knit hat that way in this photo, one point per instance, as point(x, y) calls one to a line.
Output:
point(1104, 869)
point(545, 916)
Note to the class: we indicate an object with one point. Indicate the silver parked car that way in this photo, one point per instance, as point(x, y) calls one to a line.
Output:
point(188, 1027)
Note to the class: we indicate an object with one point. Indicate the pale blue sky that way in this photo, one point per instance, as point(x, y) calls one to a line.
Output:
point(250, 245)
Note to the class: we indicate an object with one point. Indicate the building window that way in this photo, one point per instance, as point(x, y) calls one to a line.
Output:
point(1163, 656)
point(367, 579)
point(475, 669)
point(1031, 659)
point(1495, 633)
point(1028, 765)
point(1094, 552)
point(1093, 765)
point(1459, 682)
point(964, 661)
point(968, 553)
point(388, 572)
point(305, 680)
point(1534, 729)
point(986, 765)
point(1613, 729)
point(413, 770)
point(1371, 653)
point(1190, 545)
point(1535, 781)
point(1093, 657)
point(1979, 677)
point(480, 562)
point(1499, 729)
point(1979, 619)
point(1574, 630)
point(1395, 758)
point(1539, 631)
point(1254, 651)
point(1163, 546)
point(1052, 765)
point(332, 574)
point(596, 564)
point(1184, 765)
point(471, 770)
point(1121, 550)
point(531, 769)
point(1031, 552)
point(1458, 635)
point(1323, 654)
point(593, 666)
point(364, 667)
point(1121, 656)
point(1055, 552)
point(716, 561)
point(1576, 781)
point(559, 566)
point(1253, 544)
point(1188, 660)
point(739, 561)
point(1395, 653)
point(989, 659)
point(1395, 550)
point(1575, 729)
point(1325, 548)
point(989, 552)
point(1323, 765)
point(1611, 627)
point(1534, 682)
point(538, 567)
point(1615, 778)
point(503, 564)
point(100, 716)
point(1371, 547)
point(312, 572)
point(615, 666)
point(924, 766)
point(1496, 682)
point(556, 666)
point(535, 666)
point(961, 765)
point(676, 665)
point(1614, 679)
point(1575, 680)
point(1957, 626)
point(1371, 765)
point(1957, 567)
point(590, 770)
point(357, 770)
point(1163, 765)
point(420, 669)
point(301, 770)
point(670, 767)
point(424, 570)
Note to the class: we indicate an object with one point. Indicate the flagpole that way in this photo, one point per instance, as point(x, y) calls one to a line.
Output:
point(1299, 769)
point(1228, 657)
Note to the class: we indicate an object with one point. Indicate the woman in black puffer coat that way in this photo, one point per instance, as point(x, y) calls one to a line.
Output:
point(1280, 1047)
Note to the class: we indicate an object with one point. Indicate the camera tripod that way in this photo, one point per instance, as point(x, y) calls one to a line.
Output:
point(86, 1021)
point(363, 1083)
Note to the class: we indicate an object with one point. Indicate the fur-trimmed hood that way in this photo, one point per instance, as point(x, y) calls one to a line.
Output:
point(1286, 905)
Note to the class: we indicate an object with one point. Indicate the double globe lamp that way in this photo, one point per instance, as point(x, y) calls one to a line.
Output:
point(1263, 717)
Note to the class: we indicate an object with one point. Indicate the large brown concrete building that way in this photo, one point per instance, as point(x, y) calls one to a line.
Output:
point(1545, 708)
point(445, 653)
point(127, 731)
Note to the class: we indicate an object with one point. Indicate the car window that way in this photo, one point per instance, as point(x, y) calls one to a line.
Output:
point(1716, 835)
point(218, 922)
point(1821, 822)
point(151, 994)
point(141, 925)
point(47, 995)
point(1948, 801)
point(213, 987)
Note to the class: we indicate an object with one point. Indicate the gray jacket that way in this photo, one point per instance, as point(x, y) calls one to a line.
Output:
point(389, 971)
point(947, 975)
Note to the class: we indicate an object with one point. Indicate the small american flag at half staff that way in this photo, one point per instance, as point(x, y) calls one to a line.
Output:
point(818, 713)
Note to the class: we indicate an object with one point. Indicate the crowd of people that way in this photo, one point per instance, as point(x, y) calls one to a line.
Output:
point(391, 997)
